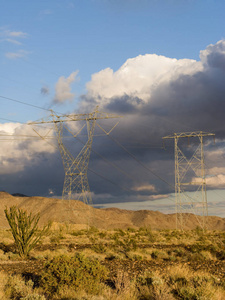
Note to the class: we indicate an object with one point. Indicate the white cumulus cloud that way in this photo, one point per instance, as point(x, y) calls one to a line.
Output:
point(63, 88)
point(216, 181)
point(139, 76)
point(214, 55)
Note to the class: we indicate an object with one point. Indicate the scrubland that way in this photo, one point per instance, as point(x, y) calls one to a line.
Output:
point(89, 263)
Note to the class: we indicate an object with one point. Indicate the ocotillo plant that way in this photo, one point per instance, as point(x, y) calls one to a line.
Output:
point(24, 227)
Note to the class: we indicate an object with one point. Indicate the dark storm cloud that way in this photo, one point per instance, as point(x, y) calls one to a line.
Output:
point(187, 102)
point(125, 104)
point(157, 96)
point(37, 178)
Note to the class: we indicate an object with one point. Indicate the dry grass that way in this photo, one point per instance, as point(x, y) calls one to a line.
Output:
point(194, 285)
point(15, 287)
point(176, 283)
point(133, 245)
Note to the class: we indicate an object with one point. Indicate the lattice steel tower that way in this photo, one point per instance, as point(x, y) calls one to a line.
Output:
point(190, 192)
point(76, 181)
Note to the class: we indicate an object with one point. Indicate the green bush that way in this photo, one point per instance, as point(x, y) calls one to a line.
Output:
point(124, 243)
point(99, 248)
point(92, 230)
point(130, 229)
point(102, 235)
point(146, 232)
point(78, 272)
point(179, 252)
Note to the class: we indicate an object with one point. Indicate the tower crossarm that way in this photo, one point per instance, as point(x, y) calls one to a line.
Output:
point(188, 134)
point(96, 115)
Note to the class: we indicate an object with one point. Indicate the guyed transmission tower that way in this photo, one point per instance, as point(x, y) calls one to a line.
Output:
point(190, 192)
point(76, 181)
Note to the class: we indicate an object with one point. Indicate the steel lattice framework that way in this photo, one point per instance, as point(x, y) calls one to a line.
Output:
point(185, 168)
point(76, 181)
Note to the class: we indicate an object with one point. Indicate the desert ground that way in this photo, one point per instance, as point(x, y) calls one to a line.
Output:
point(124, 254)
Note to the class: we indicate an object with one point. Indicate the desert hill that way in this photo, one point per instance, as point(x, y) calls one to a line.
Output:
point(76, 212)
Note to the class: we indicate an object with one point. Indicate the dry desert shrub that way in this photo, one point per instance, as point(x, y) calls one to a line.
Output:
point(124, 242)
point(152, 285)
point(94, 255)
point(3, 281)
point(180, 282)
point(34, 297)
point(147, 232)
point(159, 254)
point(125, 288)
point(122, 282)
point(49, 254)
point(186, 284)
point(2, 255)
point(14, 287)
point(76, 272)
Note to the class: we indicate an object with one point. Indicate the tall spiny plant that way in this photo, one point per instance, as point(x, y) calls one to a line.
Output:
point(24, 228)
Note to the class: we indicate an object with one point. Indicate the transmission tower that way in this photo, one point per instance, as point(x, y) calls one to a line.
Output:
point(190, 192)
point(76, 181)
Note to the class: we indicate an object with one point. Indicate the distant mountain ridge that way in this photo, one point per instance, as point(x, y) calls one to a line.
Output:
point(76, 212)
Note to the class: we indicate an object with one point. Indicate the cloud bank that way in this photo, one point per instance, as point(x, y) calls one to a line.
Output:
point(157, 96)
point(21, 147)
point(139, 77)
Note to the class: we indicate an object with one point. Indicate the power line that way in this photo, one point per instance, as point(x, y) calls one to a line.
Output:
point(139, 162)
point(24, 103)
point(112, 182)
point(100, 175)
point(11, 121)
point(101, 156)
point(98, 154)
point(107, 161)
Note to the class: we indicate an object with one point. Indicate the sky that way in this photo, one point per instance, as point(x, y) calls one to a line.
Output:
point(158, 63)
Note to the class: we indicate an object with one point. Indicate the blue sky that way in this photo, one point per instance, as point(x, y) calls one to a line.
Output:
point(64, 36)
point(71, 55)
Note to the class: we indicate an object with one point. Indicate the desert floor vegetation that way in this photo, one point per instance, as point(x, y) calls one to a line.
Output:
point(133, 263)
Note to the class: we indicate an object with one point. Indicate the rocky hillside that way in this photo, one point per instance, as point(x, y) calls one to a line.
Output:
point(77, 212)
